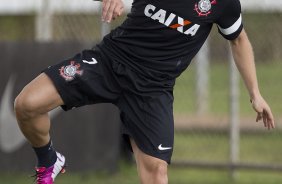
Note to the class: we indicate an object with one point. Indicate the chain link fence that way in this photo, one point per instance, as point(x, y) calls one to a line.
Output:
point(205, 136)
point(202, 139)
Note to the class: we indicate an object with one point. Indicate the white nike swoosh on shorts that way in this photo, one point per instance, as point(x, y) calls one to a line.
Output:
point(161, 148)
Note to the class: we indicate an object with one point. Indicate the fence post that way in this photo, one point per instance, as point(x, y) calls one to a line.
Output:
point(202, 79)
point(43, 22)
point(234, 116)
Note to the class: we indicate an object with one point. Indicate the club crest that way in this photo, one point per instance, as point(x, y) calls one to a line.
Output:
point(68, 72)
point(203, 7)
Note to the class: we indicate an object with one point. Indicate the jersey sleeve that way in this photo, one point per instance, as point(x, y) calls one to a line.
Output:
point(230, 23)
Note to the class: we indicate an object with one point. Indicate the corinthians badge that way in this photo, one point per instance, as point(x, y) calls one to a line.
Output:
point(68, 72)
point(203, 7)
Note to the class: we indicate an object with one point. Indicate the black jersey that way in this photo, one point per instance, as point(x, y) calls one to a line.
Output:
point(160, 37)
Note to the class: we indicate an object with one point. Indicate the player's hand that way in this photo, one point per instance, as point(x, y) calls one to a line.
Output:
point(111, 9)
point(263, 112)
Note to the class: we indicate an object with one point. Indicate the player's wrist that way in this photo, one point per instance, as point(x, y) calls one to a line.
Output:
point(254, 96)
point(254, 93)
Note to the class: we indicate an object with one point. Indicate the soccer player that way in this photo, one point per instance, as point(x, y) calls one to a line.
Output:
point(135, 67)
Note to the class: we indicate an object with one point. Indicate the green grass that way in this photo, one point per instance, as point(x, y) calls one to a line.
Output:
point(128, 175)
point(214, 146)
point(196, 176)
point(197, 146)
point(269, 77)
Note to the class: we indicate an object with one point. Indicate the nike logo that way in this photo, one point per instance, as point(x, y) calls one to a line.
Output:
point(164, 148)
point(93, 62)
point(11, 137)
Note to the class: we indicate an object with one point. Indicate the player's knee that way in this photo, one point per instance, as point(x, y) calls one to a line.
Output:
point(25, 107)
point(158, 171)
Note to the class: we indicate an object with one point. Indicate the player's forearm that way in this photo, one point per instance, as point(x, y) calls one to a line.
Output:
point(244, 59)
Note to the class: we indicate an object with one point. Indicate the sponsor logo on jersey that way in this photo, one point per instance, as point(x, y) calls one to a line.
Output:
point(70, 71)
point(169, 19)
point(203, 7)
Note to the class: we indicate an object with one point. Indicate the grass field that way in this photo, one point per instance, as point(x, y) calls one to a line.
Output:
point(214, 147)
point(255, 148)
point(127, 175)
point(269, 77)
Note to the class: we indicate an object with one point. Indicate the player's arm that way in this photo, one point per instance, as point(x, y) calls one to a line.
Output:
point(244, 59)
point(111, 9)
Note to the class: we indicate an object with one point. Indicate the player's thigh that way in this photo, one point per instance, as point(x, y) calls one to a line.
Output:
point(40, 95)
point(147, 163)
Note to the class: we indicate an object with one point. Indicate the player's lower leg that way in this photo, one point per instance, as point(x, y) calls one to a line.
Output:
point(31, 107)
point(36, 130)
point(151, 170)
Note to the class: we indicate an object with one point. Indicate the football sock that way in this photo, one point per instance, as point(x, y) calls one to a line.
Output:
point(46, 155)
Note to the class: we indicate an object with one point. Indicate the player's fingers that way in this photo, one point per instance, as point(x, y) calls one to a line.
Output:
point(265, 124)
point(270, 118)
point(106, 6)
point(271, 122)
point(115, 14)
point(110, 12)
point(259, 116)
point(264, 118)
point(118, 11)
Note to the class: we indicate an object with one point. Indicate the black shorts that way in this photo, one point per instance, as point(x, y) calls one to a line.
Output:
point(91, 77)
